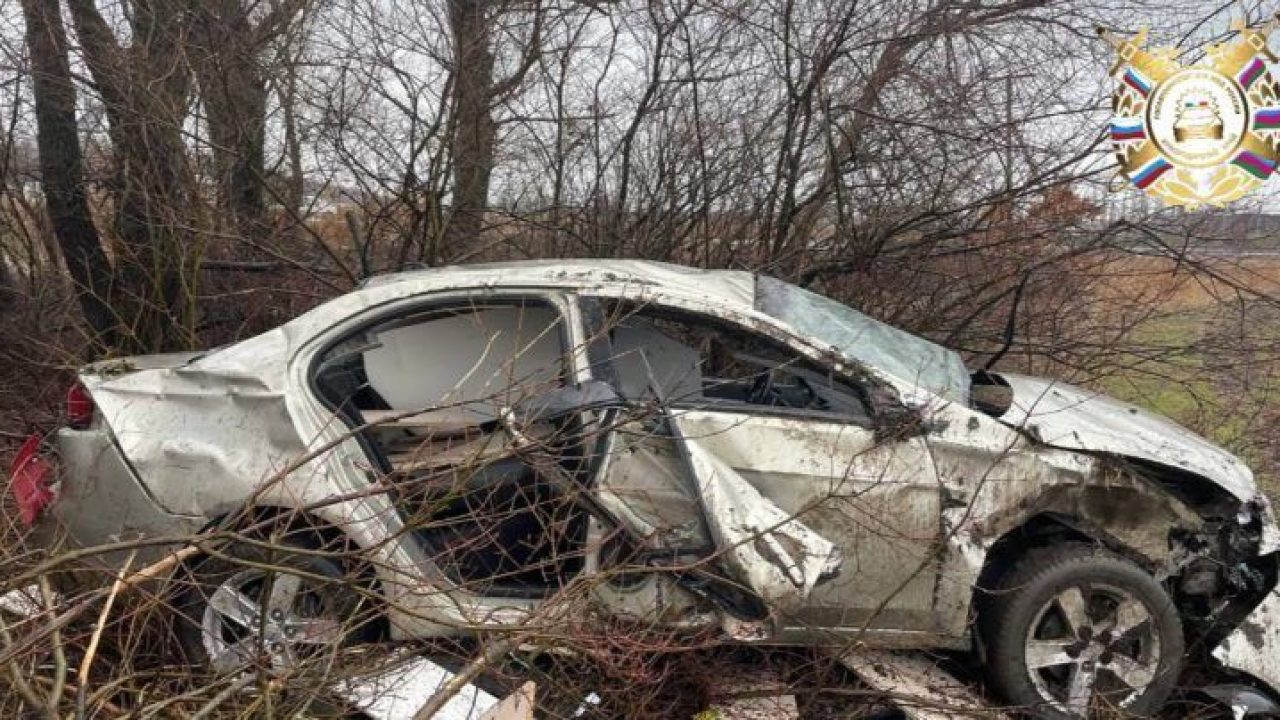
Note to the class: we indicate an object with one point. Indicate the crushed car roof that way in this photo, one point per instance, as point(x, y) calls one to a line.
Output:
point(732, 287)
point(260, 362)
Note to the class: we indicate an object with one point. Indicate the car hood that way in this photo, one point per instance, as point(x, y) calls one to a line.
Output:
point(1066, 416)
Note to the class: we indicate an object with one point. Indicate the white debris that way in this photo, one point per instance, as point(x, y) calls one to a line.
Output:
point(24, 601)
point(398, 693)
point(753, 696)
point(516, 706)
point(1251, 647)
point(921, 689)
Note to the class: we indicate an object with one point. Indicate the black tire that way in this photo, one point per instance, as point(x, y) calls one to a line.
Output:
point(328, 599)
point(1063, 603)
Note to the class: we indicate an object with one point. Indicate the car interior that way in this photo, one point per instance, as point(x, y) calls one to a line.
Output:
point(427, 389)
point(694, 361)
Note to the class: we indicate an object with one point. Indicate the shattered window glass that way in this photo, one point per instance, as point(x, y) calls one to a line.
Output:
point(695, 360)
point(870, 342)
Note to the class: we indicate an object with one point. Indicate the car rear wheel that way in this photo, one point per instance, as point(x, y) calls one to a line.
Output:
point(277, 608)
point(1076, 631)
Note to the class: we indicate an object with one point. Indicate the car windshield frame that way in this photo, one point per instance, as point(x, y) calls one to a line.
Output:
point(911, 360)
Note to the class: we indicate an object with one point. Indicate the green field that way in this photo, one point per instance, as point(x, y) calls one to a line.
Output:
point(1179, 367)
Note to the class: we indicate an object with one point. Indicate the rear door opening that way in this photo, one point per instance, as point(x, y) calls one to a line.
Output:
point(428, 386)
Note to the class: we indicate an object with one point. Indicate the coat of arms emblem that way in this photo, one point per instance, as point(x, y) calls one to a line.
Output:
point(1205, 134)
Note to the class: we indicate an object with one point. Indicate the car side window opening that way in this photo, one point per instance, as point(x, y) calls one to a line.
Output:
point(432, 383)
point(693, 359)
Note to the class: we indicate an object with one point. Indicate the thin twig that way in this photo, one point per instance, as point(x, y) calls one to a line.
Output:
point(19, 678)
point(222, 696)
point(59, 651)
point(494, 652)
point(82, 677)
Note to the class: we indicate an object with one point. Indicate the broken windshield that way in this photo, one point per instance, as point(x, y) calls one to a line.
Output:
point(870, 342)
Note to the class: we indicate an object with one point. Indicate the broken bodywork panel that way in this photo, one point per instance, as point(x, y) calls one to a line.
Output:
point(1064, 416)
point(1252, 647)
point(778, 557)
point(101, 503)
point(921, 689)
point(1149, 495)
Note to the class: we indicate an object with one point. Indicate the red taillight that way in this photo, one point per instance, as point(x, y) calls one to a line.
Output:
point(79, 407)
point(29, 481)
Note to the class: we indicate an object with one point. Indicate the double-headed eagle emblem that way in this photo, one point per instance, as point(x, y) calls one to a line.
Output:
point(1204, 134)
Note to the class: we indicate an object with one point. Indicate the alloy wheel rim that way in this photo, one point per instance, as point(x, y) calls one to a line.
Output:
point(1092, 644)
point(275, 620)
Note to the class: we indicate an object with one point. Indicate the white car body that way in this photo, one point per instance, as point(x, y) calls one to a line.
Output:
point(185, 440)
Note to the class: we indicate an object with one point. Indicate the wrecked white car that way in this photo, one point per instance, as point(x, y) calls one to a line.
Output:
point(705, 449)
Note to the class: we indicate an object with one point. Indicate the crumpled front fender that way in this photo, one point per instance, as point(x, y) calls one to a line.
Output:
point(1254, 646)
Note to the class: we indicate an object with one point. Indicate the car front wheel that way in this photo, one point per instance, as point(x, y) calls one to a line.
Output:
point(1076, 631)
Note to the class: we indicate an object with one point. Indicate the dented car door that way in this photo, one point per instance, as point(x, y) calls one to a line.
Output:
point(877, 501)
point(806, 442)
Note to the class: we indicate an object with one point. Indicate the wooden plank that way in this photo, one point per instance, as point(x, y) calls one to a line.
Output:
point(516, 706)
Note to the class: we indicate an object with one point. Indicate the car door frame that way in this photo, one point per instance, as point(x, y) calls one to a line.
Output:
point(421, 600)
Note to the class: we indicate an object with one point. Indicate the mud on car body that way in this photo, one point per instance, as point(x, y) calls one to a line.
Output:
point(835, 479)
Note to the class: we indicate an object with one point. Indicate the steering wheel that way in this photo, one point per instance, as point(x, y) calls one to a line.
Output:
point(762, 392)
point(806, 397)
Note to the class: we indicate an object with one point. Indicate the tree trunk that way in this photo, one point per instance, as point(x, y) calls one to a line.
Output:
point(62, 168)
point(237, 118)
point(296, 187)
point(234, 89)
point(144, 90)
point(473, 130)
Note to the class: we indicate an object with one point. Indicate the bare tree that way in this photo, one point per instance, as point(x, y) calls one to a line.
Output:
point(144, 88)
point(62, 167)
point(229, 49)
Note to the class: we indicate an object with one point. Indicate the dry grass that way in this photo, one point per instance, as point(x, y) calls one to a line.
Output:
point(1202, 346)
point(1177, 285)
